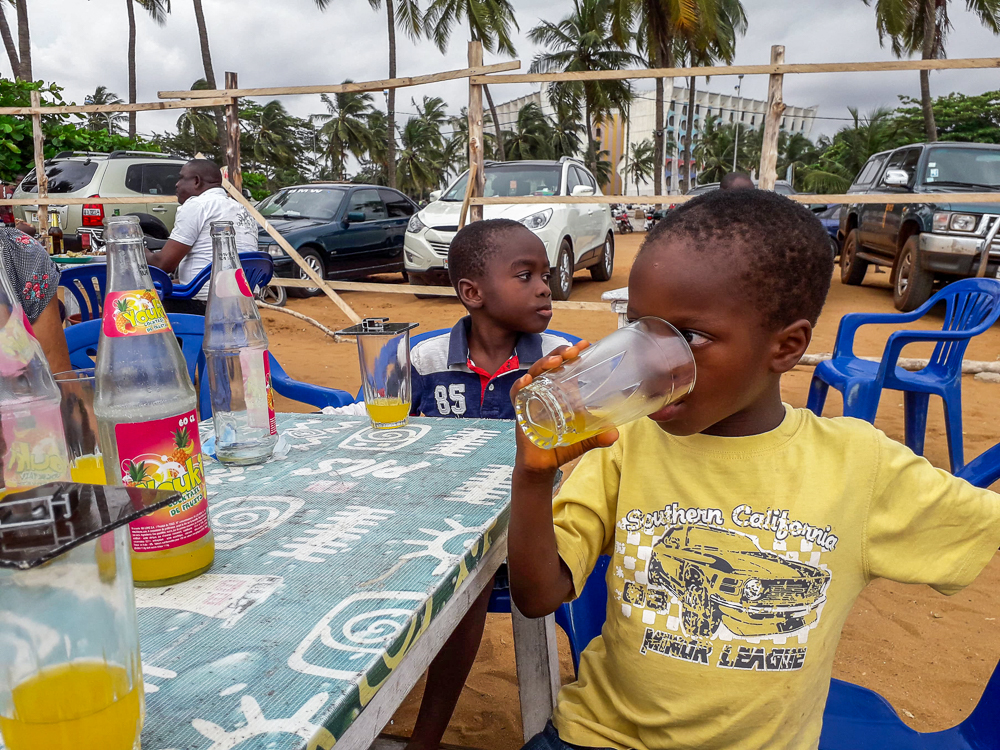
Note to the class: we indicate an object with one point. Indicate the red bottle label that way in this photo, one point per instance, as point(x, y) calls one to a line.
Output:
point(134, 313)
point(232, 283)
point(257, 389)
point(165, 454)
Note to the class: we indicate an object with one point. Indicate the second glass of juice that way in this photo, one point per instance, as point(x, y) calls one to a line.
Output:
point(384, 352)
point(80, 424)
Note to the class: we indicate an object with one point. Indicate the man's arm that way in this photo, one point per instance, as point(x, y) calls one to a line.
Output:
point(49, 332)
point(169, 257)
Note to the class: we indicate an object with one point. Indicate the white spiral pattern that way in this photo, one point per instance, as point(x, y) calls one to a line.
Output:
point(240, 519)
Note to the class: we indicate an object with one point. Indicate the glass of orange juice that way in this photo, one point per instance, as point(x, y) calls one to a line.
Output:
point(384, 353)
point(80, 424)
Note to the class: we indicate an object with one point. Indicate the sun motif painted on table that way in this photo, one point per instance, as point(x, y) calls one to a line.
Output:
point(434, 547)
point(299, 724)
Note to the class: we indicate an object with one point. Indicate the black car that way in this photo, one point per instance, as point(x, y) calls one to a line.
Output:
point(342, 231)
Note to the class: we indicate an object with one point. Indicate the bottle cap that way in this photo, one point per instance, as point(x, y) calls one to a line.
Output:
point(121, 228)
point(220, 228)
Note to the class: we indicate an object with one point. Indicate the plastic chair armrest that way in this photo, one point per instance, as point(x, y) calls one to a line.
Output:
point(850, 323)
point(899, 339)
point(314, 395)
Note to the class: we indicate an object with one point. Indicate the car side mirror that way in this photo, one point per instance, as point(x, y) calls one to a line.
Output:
point(581, 190)
point(896, 178)
point(435, 195)
point(355, 216)
point(247, 194)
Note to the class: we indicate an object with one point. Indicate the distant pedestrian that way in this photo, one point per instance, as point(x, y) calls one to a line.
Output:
point(737, 181)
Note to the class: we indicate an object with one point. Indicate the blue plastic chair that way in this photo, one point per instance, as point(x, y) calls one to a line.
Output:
point(89, 283)
point(258, 268)
point(82, 342)
point(971, 307)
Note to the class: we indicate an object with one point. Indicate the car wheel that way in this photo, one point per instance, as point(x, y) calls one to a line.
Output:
point(699, 614)
point(561, 280)
point(315, 262)
point(912, 285)
point(852, 268)
point(606, 265)
point(834, 248)
point(273, 295)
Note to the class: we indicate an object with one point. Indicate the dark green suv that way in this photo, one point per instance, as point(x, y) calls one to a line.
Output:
point(927, 241)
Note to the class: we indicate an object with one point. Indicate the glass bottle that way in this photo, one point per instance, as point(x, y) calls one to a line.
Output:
point(237, 360)
point(147, 418)
point(34, 444)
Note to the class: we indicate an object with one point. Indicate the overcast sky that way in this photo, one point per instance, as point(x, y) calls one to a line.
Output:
point(83, 44)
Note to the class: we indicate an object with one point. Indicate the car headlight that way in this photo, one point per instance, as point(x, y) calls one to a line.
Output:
point(274, 250)
point(753, 590)
point(940, 221)
point(415, 225)
point(964, 222)
point(537, 221)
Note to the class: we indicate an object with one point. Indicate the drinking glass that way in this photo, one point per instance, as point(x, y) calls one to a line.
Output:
point(80, 425)
point(384, 353)
point(632, 373)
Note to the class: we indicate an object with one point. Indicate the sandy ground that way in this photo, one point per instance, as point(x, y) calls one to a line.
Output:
point(930, 655)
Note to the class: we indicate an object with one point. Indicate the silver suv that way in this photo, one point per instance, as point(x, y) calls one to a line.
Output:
point(120, 174)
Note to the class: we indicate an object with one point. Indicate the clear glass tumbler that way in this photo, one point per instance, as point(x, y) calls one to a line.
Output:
point(384, 352)
point(70, 670)
point(80, 424)
point(632, 373)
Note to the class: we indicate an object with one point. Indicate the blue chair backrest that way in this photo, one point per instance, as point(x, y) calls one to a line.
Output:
point(258, 268)
point(583, 618)
point(89, 283)
point(82, 339)
point(968, 304)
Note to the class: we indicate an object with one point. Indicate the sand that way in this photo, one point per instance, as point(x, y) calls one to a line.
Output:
point(928, 654)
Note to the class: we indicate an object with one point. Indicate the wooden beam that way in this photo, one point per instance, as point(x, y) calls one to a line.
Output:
point(734, 70)
point(291, 251)
point(536, 659)
point(69, 109)
point(60, 201)
point(343, 88)
point(477, 174)
point(473, 178)
point(233, 135)
point(41, 178)
point(772, 123)
point(798, 198)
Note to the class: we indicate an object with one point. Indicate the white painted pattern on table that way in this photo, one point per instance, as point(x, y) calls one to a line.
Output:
point(299, 724)
point(334, 535)
point(370, 439)
point(239, 520)
point(487, 487)
point(435, 546)
point(463, 442)
point(222, 597)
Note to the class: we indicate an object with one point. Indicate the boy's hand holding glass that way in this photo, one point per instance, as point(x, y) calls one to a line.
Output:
point(535, 460)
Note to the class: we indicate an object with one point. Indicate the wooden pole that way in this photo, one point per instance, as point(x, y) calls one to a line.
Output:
point(292, 252)
point(233, 135)
point(772, 123)
point(473, 175)
point(40, 176)
point(476, 175)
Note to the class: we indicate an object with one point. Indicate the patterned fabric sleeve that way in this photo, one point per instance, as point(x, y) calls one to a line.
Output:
point(33, 275)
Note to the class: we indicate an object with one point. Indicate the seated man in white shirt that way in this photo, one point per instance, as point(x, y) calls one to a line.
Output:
point(189, 248)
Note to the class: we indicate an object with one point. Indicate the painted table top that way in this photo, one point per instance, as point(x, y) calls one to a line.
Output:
point(330, 562)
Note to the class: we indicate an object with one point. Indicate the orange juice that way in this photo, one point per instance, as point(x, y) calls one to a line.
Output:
point(170, 566)
point(88, 470)
point(83, 705)
point(388, 412)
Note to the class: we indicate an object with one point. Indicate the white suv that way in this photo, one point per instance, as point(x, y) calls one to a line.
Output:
point(576, 235)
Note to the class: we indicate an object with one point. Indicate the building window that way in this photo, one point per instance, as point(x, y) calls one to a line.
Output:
point(753, 120)
point(684, 124)
point(671, 121)
point(732, 116)
point(598, 133)
point(697, 109)
point(684, 110)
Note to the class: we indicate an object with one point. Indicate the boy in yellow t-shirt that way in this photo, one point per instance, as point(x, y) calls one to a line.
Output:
point(740, 530)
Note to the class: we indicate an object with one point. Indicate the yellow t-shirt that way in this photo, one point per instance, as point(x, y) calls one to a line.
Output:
point(735, 562)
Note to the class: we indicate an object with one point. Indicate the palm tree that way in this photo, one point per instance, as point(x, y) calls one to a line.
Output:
point(421, 159)
point(10, 45)
point(923, 25)
point(850, 149)
point(206, 60)
point(532, 135)
point(584, 40)
point(642, 163)
point(405, 14)
point(158, 10)
point(490, 23)
point(272, 138)
point(566, 127)
point(714, 151)
point(345, 128)
point(104, 120)
point(19, 50)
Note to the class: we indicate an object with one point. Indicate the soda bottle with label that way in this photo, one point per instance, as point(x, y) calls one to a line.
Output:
point(34, 444)
point(237, 360)
point(147, 418)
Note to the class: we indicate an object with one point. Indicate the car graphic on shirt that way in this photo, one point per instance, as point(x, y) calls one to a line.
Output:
point(723, 577)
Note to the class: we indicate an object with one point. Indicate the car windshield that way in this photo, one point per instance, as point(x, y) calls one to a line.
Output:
point(719, 539)
point(303, 203)
point(505, 180)
point(955, 167)
point(64, 177)
point(831, 212)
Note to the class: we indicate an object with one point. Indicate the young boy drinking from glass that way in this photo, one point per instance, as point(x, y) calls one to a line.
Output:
point(741, 530)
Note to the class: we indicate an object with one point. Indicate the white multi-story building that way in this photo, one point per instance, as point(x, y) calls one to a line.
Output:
point(616, 136)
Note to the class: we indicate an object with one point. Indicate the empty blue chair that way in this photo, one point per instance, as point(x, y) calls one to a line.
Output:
point(971, 307)
point(258, 268)
point(89, 283)
point(82, 342)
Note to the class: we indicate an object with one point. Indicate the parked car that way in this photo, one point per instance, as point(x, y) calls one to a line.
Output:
point(576, 236)
point(723, 577)
point(927, 241)
point(120, 174)
point(830, 219)
point(342, 231)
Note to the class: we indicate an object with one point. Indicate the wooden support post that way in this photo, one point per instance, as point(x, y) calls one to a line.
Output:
point(536, 657)
point(233, 135)
point(40, 176)
point(476, 133)
point(772, 123)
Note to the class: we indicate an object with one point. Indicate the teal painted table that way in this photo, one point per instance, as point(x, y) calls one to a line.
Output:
point(340, 570)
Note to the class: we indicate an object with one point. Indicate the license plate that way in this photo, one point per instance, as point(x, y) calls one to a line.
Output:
point(445, 264)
